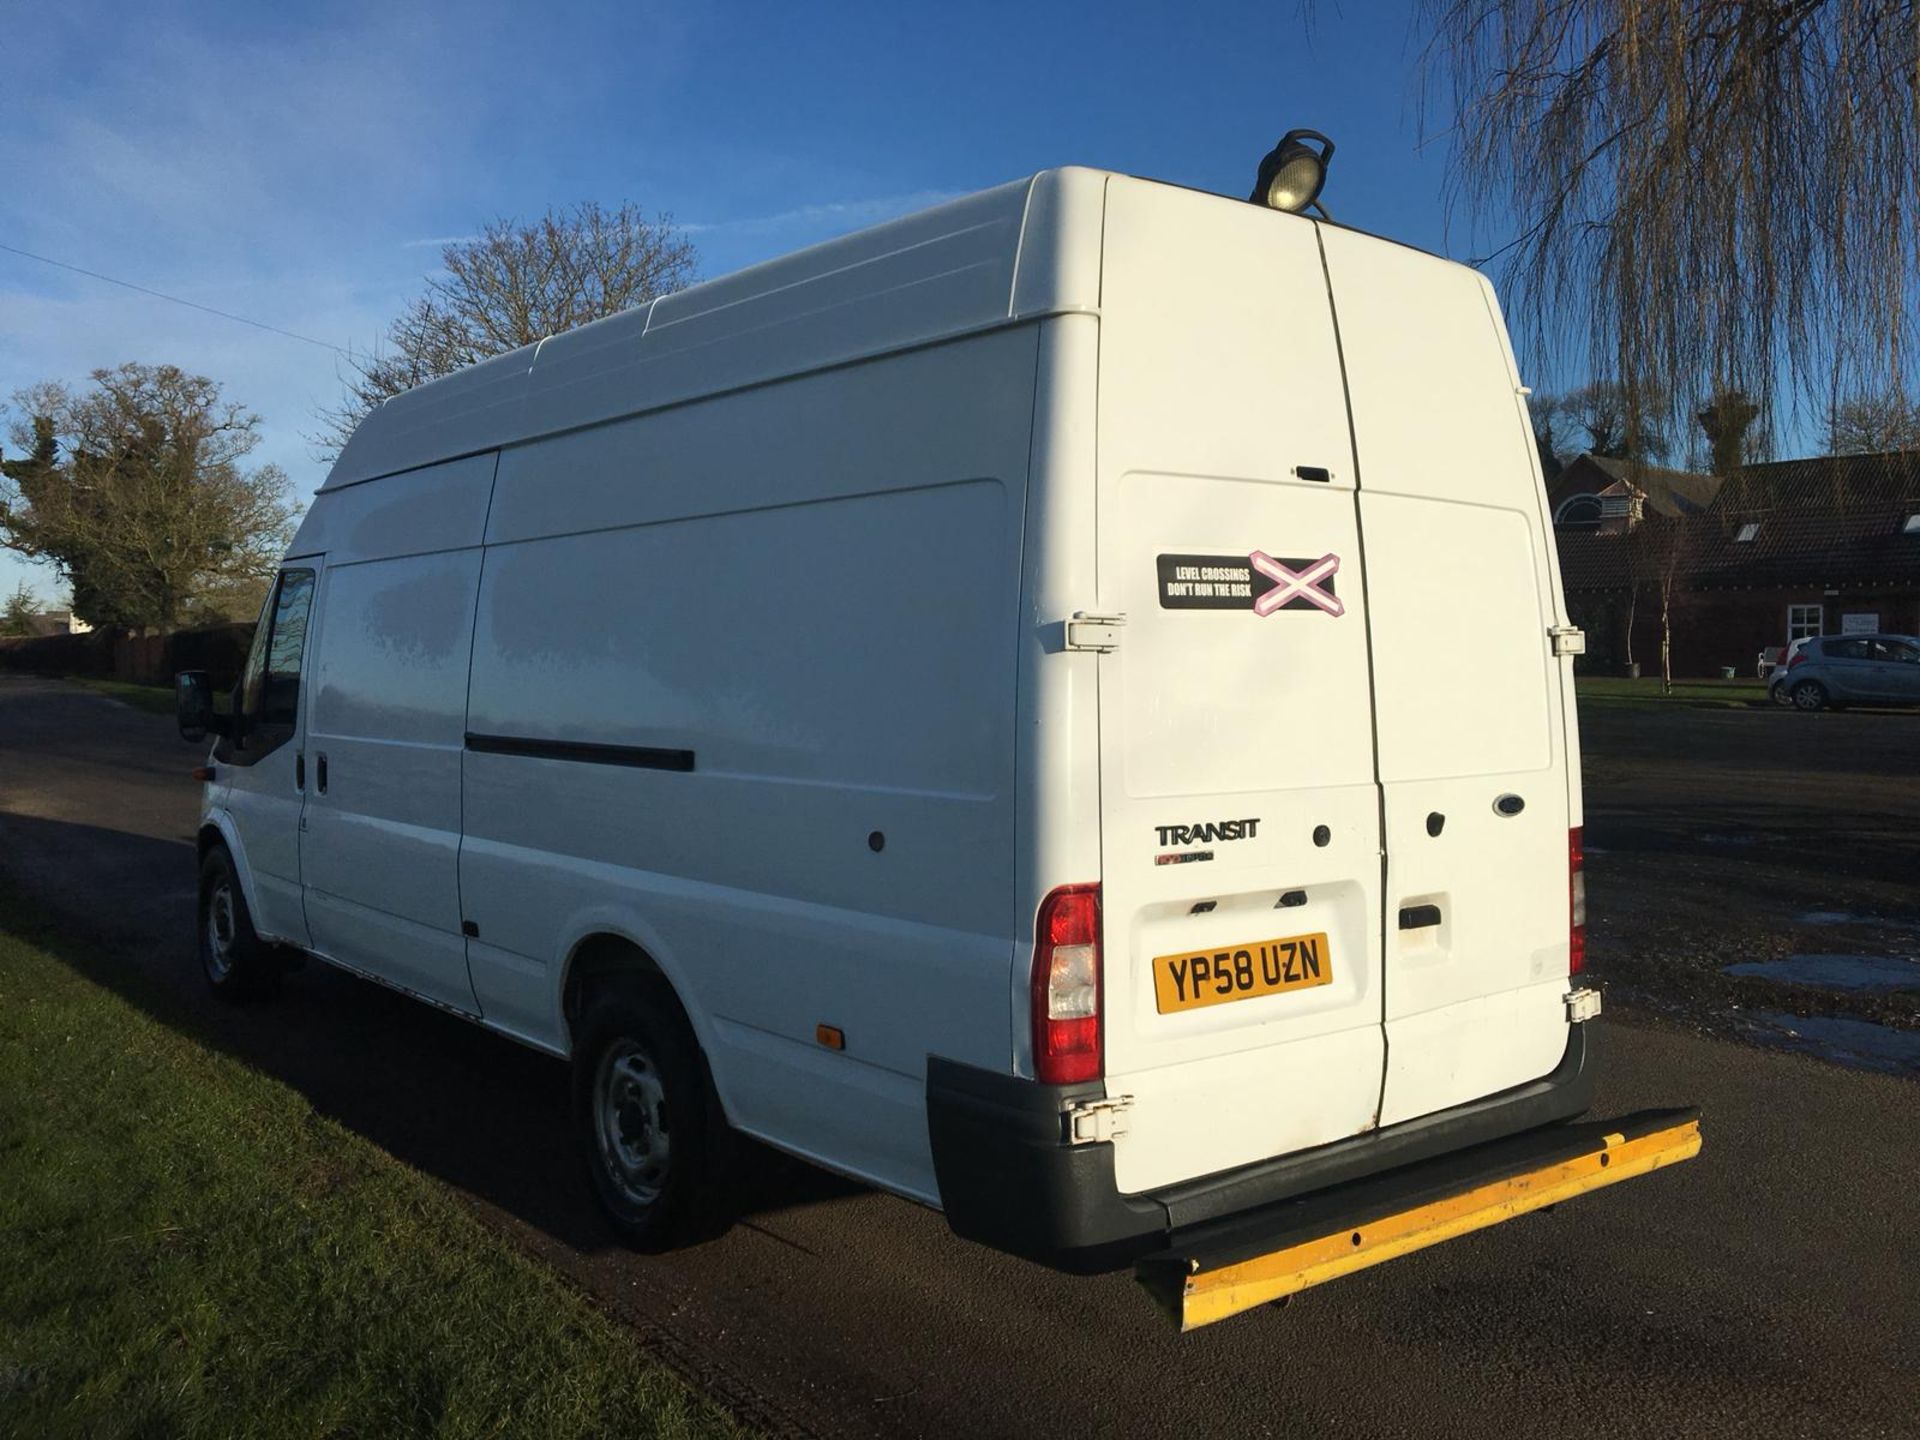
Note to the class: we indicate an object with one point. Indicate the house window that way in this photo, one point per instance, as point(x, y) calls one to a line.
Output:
point(1578, 512)
point(1804, 621)
point(1746, 533)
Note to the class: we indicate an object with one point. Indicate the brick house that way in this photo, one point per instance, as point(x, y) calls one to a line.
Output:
point(1797, 547)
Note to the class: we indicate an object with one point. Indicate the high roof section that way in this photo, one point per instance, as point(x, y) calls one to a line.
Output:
point(1010, 254)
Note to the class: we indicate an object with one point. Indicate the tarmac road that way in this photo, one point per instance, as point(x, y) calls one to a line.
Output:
point(1771, 1287)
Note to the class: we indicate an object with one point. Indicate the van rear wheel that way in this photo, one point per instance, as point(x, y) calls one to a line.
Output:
point(645, 1116)
point(237, 963)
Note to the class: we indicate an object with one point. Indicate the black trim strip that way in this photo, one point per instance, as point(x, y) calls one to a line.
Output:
point(639, 757)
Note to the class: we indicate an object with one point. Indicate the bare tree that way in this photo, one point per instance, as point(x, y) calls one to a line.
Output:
point(1656, 557)
point(1603, 412)
point(135, 489)
point(1696, 189)
point(1873, 425)
point(512, 285)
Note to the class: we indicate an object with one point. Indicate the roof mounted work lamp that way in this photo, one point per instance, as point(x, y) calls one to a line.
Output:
point(1293, 172)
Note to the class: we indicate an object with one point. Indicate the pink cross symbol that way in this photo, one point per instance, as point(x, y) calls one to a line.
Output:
point(1303, 584)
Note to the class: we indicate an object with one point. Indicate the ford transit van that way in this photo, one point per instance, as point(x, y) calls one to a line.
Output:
point(1058, 706)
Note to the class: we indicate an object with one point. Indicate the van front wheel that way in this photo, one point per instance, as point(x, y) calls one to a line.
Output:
point(237, 963)
point(646, 1119)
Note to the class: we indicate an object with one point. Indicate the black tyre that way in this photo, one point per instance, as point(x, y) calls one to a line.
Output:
point(646, 1118)
point(1809, 695)
point(237, 963)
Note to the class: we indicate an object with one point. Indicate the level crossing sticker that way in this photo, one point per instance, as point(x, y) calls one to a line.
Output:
point(1256, 582)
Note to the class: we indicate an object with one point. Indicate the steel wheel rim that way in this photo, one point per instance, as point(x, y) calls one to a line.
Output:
point(221, 929)
point(631, 1123)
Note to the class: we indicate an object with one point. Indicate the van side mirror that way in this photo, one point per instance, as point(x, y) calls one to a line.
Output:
point(193, 707)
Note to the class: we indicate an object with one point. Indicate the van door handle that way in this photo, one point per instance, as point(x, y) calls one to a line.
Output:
point(299, 769)
point(320, 771)
point(1418, 917)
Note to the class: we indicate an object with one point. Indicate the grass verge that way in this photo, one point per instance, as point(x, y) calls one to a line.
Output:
point(187, 1248)
point(1618, 690)
point(157, 698)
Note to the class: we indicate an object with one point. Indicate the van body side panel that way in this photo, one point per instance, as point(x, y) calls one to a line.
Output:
point(807, 592)
point(382, 839)
point(1468, 692)
point(1239, 802)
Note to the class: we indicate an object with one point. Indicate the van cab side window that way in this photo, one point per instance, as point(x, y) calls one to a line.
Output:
point(267, 701)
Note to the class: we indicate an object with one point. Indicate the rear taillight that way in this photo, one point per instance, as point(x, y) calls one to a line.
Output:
point(1066, 987)
point(1577, 902)
point(1796, 658)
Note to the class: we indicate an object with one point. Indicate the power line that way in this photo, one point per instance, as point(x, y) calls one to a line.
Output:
point(161, 295)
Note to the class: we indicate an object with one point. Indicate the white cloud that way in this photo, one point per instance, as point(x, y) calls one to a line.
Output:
point(833, 216)
point(300, 167)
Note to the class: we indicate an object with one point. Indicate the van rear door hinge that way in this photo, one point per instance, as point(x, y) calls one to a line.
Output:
point(1568, 640)
point(1098, 633)
point(1582, 1004)
point(1091, 1121)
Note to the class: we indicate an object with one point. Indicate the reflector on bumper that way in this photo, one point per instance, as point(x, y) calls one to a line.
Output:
point(1233, 1265)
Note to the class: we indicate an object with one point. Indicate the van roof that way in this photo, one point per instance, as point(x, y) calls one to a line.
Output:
point(1013, 253)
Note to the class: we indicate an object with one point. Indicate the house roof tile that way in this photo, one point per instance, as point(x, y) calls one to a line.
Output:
point(1833, 520)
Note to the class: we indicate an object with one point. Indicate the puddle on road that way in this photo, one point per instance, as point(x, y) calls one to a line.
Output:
point(1846, 917)
point(1859, 1043)
point(1835, 972)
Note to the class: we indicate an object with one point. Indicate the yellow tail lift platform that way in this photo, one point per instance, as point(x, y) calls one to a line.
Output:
point(1220, 1269)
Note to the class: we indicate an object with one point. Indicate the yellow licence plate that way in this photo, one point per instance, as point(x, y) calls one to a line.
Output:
point(1240, 972)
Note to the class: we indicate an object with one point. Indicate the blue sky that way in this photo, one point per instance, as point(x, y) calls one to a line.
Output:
point(296, 163)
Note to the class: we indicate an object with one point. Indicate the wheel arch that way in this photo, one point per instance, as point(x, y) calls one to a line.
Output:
point(218, 829)
point(608, 947)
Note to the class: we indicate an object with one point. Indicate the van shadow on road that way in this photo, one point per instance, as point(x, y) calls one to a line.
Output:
point(472, 1109)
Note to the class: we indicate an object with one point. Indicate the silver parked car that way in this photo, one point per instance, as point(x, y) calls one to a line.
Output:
point(1837, 670)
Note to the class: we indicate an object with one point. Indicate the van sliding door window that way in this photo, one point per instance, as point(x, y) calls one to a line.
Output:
point(268, 701)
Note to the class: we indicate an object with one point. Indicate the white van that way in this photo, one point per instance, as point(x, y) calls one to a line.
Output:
point(1056, 706)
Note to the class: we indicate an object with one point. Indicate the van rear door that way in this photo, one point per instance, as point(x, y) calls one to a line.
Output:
point(1473, 725)
point(1241, 873)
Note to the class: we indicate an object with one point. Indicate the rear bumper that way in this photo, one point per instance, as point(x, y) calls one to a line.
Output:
point(1222, 1269)
point(1008, 1179)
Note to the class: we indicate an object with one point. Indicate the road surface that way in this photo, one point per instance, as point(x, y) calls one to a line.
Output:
point(1771, 1287)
